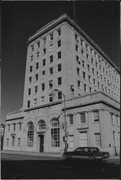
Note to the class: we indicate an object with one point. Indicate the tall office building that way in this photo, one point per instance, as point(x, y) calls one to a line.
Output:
point(71, 94)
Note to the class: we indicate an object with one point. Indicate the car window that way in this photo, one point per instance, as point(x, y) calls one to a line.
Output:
point(86, 149)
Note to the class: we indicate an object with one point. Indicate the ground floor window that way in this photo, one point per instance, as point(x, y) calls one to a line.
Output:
point(13, 141)
point(30, 134)
point(7, 141)
point(97, 139)
point(55, 133)
point(71, 141)
point(83, 139)
point(18, 142)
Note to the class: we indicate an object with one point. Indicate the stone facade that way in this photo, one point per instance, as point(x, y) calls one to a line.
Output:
point(61, 56)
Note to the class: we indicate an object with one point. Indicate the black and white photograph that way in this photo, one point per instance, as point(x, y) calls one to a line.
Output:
point(60, 90)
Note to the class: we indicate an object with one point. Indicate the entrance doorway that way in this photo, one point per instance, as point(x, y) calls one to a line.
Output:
point(41, 146)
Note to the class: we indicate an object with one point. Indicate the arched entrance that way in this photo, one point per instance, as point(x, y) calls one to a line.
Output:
point(41, 134)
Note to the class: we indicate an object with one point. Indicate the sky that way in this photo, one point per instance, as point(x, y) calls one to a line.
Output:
point(21, 19)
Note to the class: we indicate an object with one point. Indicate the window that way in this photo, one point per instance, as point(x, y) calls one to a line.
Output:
point(118, 120)
point(78, 71)
point(77, 59)
point(36, 89)
point(38, 44)
point(50, 84)
point(83, 63)
point(51, 36)
point(30, 79)
point(51, 58)
point(77, 48)
point(59, 43)
point(82, 117)
point(79, 83)
point(59, 80)
point(36, 77)
point(72, 88)
point(7, 141)
point(43, 72)
point(13, 140)
point(88, 67)
point(8, 127)
point(35, 101)
point(19, 126)
point(32, 47)
point(28, 104)
point(43, 86)
point(37, 65)
point(70, 119)
point(90, 89)
point(14, 127)
point(83, 74)
point(18, 142)
point(59, 67)
point(44, 62)
point(113, 118)
point(89, 78)
point(85, 86)
point(51, 70)
point(42, 99)
point(94, 81)
point(50, 97)
point(97, 139)
point(42, 124)
point(59, 32)
point(71, 141)
point(31, 68)
point(96, 116)
point(30, 134)
point(93, 70)
point(37, 54)
point(29, 91)
point(91, 60)
point(44, 51)
point(44, 40)
point(55, 133)
point(31, 57)
point(59, 95)
point(59, 54)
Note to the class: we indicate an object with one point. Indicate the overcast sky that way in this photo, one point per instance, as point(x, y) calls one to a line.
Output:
point(20, 20)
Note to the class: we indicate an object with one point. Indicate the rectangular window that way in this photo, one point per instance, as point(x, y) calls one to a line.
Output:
point(44, 62)
point(44, 40)
point(29, 91)
point(79, 83)
point(96, 116)
point(18, 142)
point(51, 84)
point(36, 89)
point(90, 89)
point(43, 72)
point(88, 67)
point(85, 87)
point(31, 57)
point(83, 63)
point(70, 119)
point(28, 104)
point(32, 47)
point(37, 54)
point(77, 59)
point(59, 54)
point(51, 98)
point(51, 58)
point(36, 77)
point(59, 95)
point(89, 78)
point(78, 71)
point(13, 140)
point(37, 65)
point(30, 79)
point(7, 141)
point(20, 126)
point(51, 70)
point(31, 68)
point(83, 117)
point(83, 75)
point(113, 118)
point(59, 43)
point(35, 101)
point(71, 141)
point(44, 51)
point(77, 48)
point(51, 36)
point(59, 67)
point(59, 32)
point(14, 127)
point(97, 139)
point(55, 137)
point(43, 86)
point(38, 44)
point(42, 99)
point(59, 80)
point(8, 127)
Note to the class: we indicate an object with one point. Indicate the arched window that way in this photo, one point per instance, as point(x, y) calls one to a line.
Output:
point(42, 124)
point(55, 133)
point(30, 134)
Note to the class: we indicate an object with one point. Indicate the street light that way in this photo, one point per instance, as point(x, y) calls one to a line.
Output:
point(65, 130)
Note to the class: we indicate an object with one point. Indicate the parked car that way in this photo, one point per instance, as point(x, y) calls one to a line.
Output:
point(91, 153)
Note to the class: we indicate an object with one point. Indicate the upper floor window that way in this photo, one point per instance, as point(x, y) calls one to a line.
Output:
point(59, 54)
point(8, 127)
point(85, 87)
point(59, 43)
point(37, 54)
point(37, 65)
point(30, 79)
point(83, 63)
point(32, 47)
point(79, 83)
point(51, 36)
point(50, 97)
point(36, 77)
point(59, 32)
point(43, 86)
point(29, 91)
point(38, 44)
point(43, 72)
point(35, 101)
point(96, 115)
point(78, 71)
point(36, 89)
point(59, 80)
point(59, 67)
point(20, 126)
point(31, 67)
point(51, 58)
point(83, 117)
point(31, 57)
point(28, 104)
point(51, 70)
point(70, 119)
point(44, 51)
point(14, 126)
point(50, 84)
point(44, 40)
point(59, 95)
point(44, 62)
point(84, 74)
point(77, 48)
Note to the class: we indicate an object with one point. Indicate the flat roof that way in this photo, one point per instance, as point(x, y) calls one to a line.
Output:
point(66, 18)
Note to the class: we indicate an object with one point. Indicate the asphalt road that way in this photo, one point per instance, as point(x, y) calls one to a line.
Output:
point(42, 167)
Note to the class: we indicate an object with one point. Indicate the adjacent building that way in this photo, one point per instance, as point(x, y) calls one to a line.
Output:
point(71, 94)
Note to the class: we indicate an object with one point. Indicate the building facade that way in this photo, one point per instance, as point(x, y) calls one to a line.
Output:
point(71, 94)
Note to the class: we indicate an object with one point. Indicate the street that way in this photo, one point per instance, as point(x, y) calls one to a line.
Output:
point(15, 166)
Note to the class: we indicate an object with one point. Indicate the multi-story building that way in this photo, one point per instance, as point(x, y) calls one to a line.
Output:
point(68, 79)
